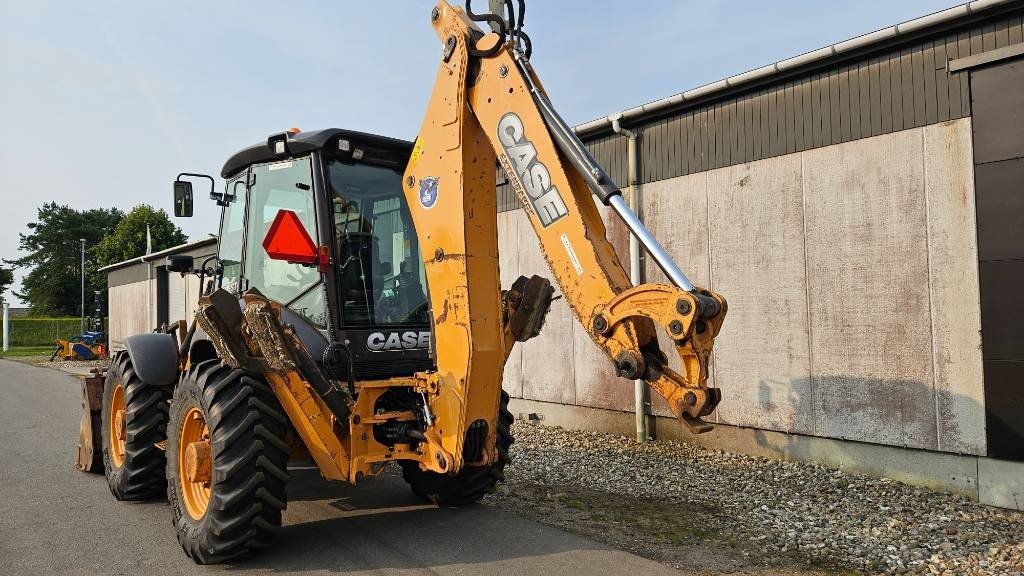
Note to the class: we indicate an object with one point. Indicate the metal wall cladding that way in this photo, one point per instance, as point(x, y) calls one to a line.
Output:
point(1000, 199)
point(1002, 311)
point(883, 259)
point(1004, 405)
point(908, 86)
point(998, 110)
point(997, 100)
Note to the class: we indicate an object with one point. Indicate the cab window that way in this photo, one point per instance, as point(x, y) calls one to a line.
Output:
point(380, 270)
point(286, 185)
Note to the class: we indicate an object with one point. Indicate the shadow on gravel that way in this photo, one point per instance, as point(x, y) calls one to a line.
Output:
point(672, 534)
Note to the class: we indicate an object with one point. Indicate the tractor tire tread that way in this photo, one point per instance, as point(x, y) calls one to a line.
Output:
point(141, 475)
point(250, 462)
point(472, 483)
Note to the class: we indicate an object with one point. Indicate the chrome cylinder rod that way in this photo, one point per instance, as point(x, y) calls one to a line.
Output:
point(598, 180)
point(650, 243)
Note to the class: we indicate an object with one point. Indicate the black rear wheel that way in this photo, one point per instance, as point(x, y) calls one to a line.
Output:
point(133, 421)
point(471, 483)
point(226, 463)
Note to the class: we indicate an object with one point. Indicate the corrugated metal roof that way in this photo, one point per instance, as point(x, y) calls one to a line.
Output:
point(814, 56)
point(161, 254)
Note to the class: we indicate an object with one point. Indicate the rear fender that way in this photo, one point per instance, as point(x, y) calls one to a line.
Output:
point(154, 357)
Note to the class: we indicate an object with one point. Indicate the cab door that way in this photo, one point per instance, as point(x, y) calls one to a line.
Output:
point(275, 187)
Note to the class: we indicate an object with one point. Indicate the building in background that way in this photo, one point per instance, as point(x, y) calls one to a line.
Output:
point(861, 208)
point(143, 295)
point(20, 312)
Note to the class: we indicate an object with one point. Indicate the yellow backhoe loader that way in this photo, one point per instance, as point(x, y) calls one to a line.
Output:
point(353, 314)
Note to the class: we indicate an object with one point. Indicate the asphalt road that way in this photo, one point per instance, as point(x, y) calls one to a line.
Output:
point(57, 520)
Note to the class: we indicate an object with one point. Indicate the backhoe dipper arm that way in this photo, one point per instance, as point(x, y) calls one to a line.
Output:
point(488, 105)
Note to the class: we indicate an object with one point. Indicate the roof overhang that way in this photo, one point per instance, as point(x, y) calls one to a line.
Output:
point(802, 63)
point(162, 254)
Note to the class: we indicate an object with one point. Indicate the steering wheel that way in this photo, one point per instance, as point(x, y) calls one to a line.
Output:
point(423, 306)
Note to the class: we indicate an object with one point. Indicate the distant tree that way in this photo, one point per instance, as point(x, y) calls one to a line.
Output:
point(128, 239)
point(6, 279)
point(52, 250)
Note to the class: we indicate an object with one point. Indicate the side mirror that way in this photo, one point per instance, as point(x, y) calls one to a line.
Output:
point(385, 269)
point(183, 194)
point(182, 199)
point(180, 263)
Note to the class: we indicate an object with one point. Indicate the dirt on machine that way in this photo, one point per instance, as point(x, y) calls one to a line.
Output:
point(353, 314)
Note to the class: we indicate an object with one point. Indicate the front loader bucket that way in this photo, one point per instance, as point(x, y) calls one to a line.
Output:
point(90, 450)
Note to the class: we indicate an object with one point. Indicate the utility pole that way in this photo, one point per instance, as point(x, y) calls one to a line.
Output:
point(7, 326)
point(82, 327)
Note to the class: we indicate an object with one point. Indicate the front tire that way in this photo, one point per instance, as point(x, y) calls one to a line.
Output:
point(227, 490)
point(471, 483)
point(133, 420)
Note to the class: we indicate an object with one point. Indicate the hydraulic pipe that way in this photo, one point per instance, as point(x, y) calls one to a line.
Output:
point(635, 268)
point(654, 248)
point(600, 183)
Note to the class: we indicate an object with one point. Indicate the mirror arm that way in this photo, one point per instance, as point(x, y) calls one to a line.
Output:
point(221, 198)
point(213, 182)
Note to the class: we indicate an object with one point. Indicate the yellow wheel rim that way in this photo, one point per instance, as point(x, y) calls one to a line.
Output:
point(194, 463)
point(117, 426)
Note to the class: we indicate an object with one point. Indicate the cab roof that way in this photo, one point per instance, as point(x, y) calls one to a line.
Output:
point(299, 143)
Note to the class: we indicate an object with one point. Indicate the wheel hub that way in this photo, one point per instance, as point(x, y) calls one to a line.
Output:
point(117, 431)
point(195, 463)
point(198, 463)
point(119, 426)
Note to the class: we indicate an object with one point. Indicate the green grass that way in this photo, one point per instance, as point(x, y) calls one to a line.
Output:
point(28, 351)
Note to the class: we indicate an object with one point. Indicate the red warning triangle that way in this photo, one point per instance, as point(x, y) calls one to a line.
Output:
point(287, 239)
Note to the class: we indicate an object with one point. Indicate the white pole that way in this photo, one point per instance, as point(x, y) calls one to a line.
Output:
point(81, 327)
point(7, 326)
point(635, 265)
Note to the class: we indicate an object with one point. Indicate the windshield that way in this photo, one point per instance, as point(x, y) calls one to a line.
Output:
point(380, 270)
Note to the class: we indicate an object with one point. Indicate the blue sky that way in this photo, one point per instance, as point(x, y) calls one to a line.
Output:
point(102, 103)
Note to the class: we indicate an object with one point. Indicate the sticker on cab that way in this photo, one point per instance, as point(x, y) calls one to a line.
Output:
point(428, 191)
point(417, 150)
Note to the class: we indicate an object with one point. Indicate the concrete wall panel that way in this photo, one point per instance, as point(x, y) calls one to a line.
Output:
point(676, 213)
point(853, 288)
point(547, 365)
point(508, 261)
point(757, 261)
point(953, 260)
point(596, 382)
point(867, 267)
point(192, 291)
point(127, 306)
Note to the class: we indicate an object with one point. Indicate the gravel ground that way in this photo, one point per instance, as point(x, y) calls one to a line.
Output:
point(76, 363)
point(59, 364)
point(760, 511)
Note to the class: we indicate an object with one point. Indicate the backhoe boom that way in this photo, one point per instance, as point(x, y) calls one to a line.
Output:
point(488, 105)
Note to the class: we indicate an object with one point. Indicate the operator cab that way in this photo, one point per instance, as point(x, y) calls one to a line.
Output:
point(318, 222)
